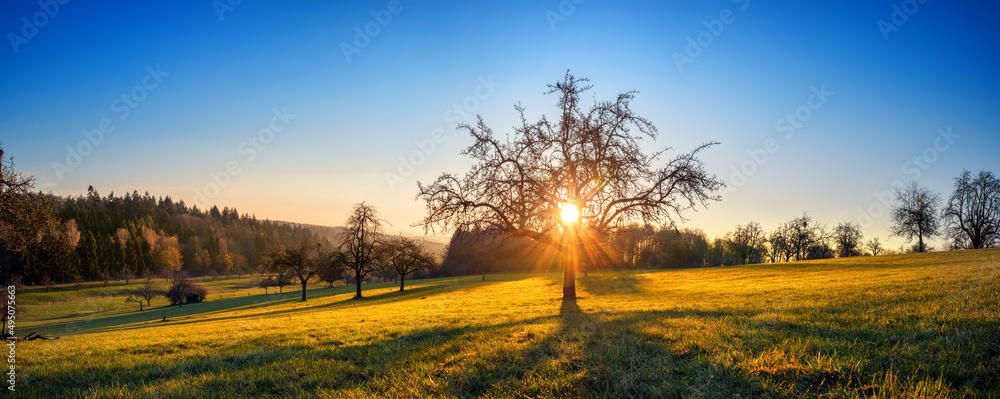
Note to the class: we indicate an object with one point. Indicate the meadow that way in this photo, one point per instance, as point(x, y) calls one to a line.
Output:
point(916, 325)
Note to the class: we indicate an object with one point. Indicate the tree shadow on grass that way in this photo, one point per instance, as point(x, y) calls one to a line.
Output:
point(569, 353)
point(612, 283)
point(222, 309)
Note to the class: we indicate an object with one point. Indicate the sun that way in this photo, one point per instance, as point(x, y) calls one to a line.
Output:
point(569, 213)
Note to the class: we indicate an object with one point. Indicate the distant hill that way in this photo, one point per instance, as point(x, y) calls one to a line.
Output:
point(332, 234)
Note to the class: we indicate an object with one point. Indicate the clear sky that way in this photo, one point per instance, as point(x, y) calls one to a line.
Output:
point(310, 116)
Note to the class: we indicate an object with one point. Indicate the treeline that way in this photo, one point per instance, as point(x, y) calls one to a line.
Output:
point(968, 219)
point(478, 251)
point(94, 237)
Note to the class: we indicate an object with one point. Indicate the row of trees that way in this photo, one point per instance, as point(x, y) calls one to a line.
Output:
point(365, 249)
point(970, 218)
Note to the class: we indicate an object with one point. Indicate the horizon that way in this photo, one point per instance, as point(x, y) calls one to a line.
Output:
point(296, 114)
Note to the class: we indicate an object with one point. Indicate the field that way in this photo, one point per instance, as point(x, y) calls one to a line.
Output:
point(921, 325)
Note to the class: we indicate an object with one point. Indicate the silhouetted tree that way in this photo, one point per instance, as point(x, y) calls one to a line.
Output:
point(803, 233)
point(780, 244)
point(848, 238)
point(302, 262)
point(915, 214)
point(745, 240)
point(972, 215)
point(588, 159)
point(874, 246)
point(179, 288)
point(405, 256)
point(361, 239)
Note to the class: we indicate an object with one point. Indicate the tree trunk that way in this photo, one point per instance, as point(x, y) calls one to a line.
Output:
point(401, 282)
point(303, 290)
point(569, 281)
point(357, 282)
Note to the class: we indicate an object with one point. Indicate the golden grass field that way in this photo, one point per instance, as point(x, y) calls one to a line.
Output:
point(919, 325)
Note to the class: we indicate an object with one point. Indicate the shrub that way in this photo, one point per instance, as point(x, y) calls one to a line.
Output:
point(180, 288)
point(201, 290)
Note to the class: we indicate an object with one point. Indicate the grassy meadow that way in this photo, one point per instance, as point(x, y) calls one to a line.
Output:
point(919, 325)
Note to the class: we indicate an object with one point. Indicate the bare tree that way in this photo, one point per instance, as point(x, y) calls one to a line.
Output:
point(405, 256)
point(265, 283)
point(915, 214)
point(972, 216)
point(362, 237)
point(569, 183)
point(303, 262)
point(874, 246)
point(745, 240)
point(780, 247)
point(135, 299)
point(802, 234)
point(848, 238)
point(148, 291)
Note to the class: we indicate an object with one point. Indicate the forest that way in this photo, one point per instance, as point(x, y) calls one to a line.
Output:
point(101, 238)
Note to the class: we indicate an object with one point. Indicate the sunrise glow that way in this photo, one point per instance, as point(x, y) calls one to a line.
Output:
point(569, 213)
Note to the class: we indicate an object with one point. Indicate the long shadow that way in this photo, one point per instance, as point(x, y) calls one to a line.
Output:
point(612, 283)
point(587, 355)
point(599, 354)
point(201, 312)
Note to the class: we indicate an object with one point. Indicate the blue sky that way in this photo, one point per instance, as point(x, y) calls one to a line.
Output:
point(339, 124)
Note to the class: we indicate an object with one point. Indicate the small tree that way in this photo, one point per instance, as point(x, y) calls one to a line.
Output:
point(148, 291)
point(335, 269)
point(874, 246)
point(804, 235)
point(179, 288)
point(281, 281)
point(127, 274)
point(105, 277)
point(848, 238)
point(47, 282)
point(265, 283)
point(914, 215)
point(303, 262)
point(405, 256)
point(745, 240)
point(133, 298)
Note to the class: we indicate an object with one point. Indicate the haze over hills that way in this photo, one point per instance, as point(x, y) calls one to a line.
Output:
point(436, 245)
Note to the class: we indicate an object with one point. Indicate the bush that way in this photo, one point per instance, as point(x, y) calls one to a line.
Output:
point(201, 290)
point(180, 288)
